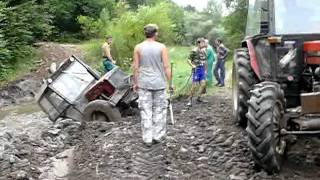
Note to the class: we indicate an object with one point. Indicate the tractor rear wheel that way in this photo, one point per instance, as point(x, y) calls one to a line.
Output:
point(101, 110)
point(243, 78)
point(265, 121)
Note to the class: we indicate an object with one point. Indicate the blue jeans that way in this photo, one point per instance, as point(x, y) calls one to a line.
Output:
point(219, 71)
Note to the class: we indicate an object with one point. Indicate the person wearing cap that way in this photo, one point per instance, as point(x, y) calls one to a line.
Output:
point(198, 61)
point(151, 73)
point(219, 70)
point(108, 62)
point(211, 59)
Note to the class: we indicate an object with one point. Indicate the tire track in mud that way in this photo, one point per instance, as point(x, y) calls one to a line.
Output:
point(203, 144)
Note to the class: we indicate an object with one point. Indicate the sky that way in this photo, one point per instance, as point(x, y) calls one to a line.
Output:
point(198, 4)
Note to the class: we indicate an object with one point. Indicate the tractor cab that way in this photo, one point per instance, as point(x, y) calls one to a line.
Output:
point(61, 95)
point(276, 76)
point(274, 17)
point(76, 91)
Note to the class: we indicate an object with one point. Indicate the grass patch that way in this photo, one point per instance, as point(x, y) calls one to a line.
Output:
point(22, 67)
point(92, 53)
point(178, 56)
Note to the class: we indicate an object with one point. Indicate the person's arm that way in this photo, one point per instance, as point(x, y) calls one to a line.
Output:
point(191, 64)
point(225, 52)
point(165, 61)
point(206, 63)
point(108, 54)
point(136, 60)
point(190, 60)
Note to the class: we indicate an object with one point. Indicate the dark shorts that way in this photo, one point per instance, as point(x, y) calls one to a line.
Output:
point(198, 74)
point(108, 66)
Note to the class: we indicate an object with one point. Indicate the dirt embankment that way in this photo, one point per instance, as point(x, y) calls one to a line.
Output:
point(25, 88)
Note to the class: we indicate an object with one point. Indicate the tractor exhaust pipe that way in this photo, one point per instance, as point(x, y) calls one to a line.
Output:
point(310, 124)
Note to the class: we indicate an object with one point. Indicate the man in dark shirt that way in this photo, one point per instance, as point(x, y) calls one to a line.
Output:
point(219, 70)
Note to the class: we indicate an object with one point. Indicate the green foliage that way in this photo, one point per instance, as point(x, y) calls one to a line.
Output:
point(21, 23)
point(235, 23)
point(201, 25)
point(92, 56)
point(204, 24)
point(90, 26)
point(127, 30)
point(176, 14)
point(65, 14)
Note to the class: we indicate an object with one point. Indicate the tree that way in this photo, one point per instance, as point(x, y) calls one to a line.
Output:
point(127, 30)
point(214, 10)
point(235, 22)
point(21, 24)
point(190, 8)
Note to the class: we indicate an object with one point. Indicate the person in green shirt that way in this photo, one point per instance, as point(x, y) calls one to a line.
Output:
point(211, 59)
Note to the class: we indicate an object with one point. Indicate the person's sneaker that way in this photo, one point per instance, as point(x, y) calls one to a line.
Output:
point(147, 144)
point(157, 141)
point(221, 85)
point(217, 84)
point(200, 100)
point(189, 104)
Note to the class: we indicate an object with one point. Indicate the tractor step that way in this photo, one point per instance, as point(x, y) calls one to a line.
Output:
point(285, 132)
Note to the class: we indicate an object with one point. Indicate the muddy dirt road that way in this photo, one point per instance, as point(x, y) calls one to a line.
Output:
point(204, 144)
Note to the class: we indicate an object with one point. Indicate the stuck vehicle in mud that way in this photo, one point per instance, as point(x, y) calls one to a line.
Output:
point(276, 77)
point(76, 91)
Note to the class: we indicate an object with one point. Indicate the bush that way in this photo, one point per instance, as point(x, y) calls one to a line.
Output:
point(21, 23)
point(127, 30)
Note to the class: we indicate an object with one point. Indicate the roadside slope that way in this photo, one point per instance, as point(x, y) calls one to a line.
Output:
point(25, 88)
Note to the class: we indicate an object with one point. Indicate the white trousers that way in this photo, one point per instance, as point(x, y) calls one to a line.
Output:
point(153, 111)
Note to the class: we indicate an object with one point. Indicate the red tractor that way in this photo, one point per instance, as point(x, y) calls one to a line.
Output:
point(276, 77)
point(76, 91)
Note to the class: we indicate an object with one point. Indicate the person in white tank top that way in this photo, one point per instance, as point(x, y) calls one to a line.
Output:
point(151, 73)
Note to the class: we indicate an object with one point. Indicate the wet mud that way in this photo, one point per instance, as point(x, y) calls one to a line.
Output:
point(203, 144)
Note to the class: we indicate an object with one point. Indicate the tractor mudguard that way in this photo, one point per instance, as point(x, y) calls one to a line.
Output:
point(253, 59)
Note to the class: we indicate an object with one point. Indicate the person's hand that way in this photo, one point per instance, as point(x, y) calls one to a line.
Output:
point(193, 66)
point(135, 87)
point(113, 62)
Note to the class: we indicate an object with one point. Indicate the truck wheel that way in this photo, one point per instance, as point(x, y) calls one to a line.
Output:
point(265, 121)
point(101, 110)
point(243, 78)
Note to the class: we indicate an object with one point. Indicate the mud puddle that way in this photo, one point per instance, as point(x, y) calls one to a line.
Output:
point(26, 108)
point(32, 147)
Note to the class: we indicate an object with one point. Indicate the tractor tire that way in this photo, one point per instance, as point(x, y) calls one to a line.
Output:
point(101, 110)
point(265, 121)
point(243, 79)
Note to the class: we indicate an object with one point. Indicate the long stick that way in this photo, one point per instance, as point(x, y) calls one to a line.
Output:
point(170, 98)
